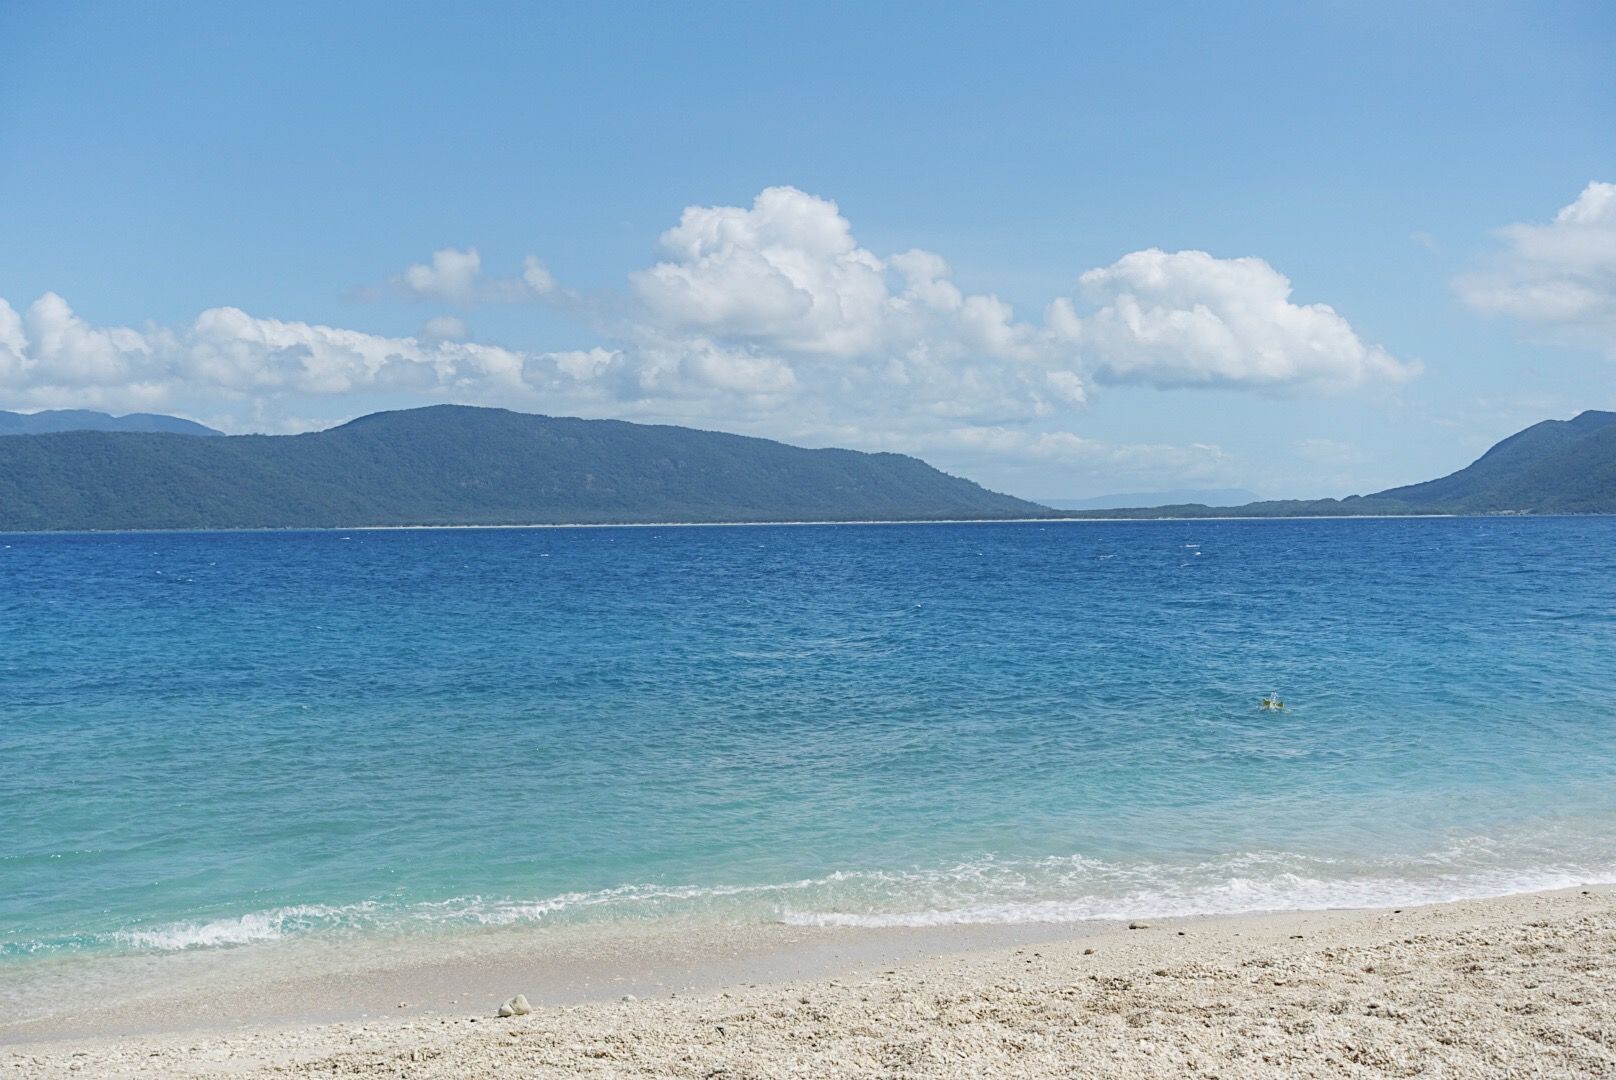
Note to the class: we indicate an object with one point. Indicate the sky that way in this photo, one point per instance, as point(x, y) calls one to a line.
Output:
point(1304, 248)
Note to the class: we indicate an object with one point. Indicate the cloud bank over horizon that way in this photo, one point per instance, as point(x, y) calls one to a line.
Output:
point(770, 318)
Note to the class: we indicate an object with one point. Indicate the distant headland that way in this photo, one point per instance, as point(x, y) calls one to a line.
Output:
point(1554, 467)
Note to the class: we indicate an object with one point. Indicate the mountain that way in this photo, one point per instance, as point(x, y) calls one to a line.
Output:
point(53, 420)
point(1555, 467)
point(1147, 499)
point(456, 465)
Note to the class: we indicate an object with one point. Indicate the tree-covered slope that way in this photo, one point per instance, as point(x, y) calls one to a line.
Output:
point(1555, 467)
point(459, 465)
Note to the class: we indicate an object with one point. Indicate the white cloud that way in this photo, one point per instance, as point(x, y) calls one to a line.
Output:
point(456, 277)
point(583, 364)
point(786, 279)
point(445, 328)
point(13, 346)
point(536, 276)
point(785, 274)
point(1561, 276)
point(1188, 319)
point(52, 357)
point(779, 301)
point(452, 276)
point(75, 353)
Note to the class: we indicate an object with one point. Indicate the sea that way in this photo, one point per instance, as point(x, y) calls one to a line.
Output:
point(229, 740)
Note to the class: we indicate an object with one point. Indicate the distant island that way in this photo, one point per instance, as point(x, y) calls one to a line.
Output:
point(459, 465)
point(1147, 499)
point(55, 420)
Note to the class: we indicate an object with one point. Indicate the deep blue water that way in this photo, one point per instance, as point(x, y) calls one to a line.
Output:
point(208, 739)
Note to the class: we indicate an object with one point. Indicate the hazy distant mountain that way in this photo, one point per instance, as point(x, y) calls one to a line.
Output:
point(458, 465)
point(1556, 467)
point(1208, 497)
point(54, 420)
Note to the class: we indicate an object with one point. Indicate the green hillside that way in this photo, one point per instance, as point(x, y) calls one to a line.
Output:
point(465, 466)
point(1555, 467)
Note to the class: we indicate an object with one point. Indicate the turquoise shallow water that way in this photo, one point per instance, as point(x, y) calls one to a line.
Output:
point(208, 740)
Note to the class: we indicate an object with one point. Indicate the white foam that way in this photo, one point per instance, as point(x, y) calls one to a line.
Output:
point(257, 926)
point(984, 890)
point(1235, 897)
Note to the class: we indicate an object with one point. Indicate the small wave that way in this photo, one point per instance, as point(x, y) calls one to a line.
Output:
point(1235, 897)
point(244, 929)
point(988, 889)
point(463, 911)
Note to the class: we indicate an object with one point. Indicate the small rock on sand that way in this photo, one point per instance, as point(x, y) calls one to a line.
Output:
point(517, 1006)
point(1136, 925)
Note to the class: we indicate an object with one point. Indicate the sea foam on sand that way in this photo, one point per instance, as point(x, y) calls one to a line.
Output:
point(1514, 986)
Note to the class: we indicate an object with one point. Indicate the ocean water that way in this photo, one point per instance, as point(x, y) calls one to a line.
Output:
point(214, 740)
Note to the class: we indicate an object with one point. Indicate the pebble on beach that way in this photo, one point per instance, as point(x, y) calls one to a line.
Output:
point(517, 1006)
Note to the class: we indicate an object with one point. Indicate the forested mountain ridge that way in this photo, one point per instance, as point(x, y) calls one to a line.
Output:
point(458, 465)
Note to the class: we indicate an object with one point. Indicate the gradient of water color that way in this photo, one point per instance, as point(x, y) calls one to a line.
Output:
point(208, 740)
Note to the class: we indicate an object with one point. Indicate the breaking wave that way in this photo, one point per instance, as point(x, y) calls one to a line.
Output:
point(985, 890)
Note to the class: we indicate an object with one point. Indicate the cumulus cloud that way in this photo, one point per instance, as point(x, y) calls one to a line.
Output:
point(51, 356)
point(784, 274)
point(1186, 318)
point(778, 300)
point(452, 275)
point(456, 277)
point(1561, 276)
point(785, 278)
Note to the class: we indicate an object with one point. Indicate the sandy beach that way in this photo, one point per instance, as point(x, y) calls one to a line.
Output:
point(1515, 986)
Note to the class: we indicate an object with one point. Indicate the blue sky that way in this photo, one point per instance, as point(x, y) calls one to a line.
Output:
point(1062, 250)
